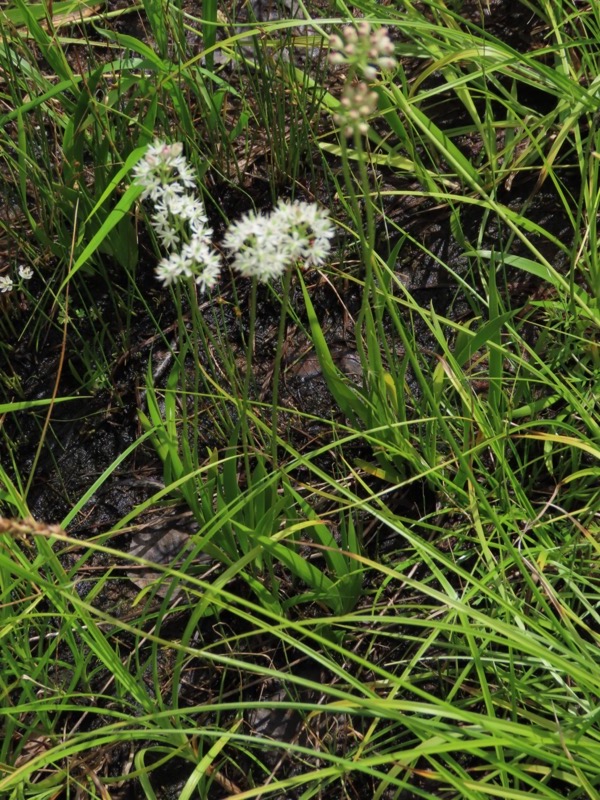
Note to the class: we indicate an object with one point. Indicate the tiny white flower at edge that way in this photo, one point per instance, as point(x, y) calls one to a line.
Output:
point(6, 284)
point(25, 273)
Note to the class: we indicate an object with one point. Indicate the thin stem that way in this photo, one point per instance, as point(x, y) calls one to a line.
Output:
point(287, 280)
point(245, 430)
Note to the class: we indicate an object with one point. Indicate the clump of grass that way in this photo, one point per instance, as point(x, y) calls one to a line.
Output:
point(460, 659)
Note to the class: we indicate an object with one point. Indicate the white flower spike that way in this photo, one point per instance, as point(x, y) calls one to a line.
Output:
point(179, 217)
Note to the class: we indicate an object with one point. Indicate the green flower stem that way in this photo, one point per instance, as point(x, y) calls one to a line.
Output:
point(247, 380)
point(287, 281)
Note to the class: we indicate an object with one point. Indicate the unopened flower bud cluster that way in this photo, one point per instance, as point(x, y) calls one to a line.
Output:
point(363, 48)
point(262, 246)
point(365, 51)
point(357, 104)
point(7, 284)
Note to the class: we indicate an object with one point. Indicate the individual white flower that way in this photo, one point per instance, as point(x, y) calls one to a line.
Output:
point(207, 279)
point(169, 236)
point(317, 253)
point(25, 273)
point(187, 176)
point(143, 168)
point(151, 183)
point(198, 227)
point(173, 268)
point(172, 203)
point(6, 284)
point(161, 217)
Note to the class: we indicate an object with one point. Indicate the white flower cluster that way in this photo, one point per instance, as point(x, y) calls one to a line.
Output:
point(363, 48)
point(263, 246)
point(7, 284)
point(179, 217)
